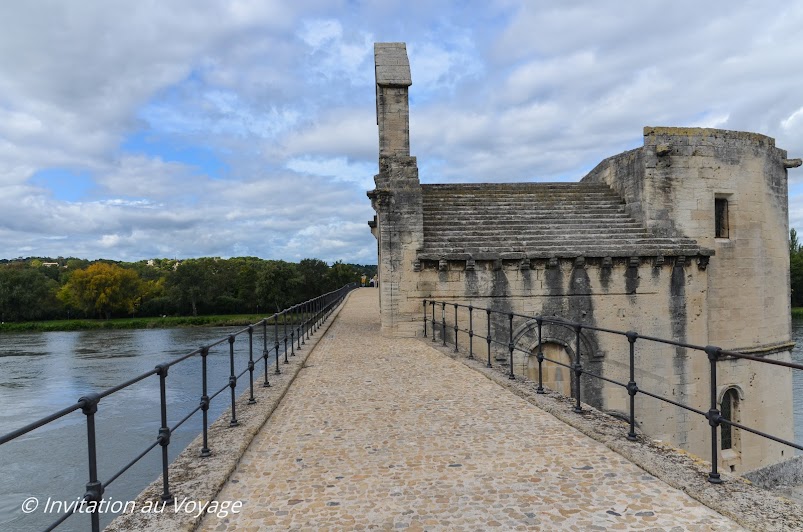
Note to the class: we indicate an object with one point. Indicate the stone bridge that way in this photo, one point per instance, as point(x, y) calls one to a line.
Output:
point(370, 432)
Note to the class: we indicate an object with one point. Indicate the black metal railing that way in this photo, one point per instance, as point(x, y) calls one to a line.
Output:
point(303, 320)
point(503, 335)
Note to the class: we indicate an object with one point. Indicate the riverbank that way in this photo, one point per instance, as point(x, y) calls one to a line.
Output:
point(168, 322)
point(226, 320)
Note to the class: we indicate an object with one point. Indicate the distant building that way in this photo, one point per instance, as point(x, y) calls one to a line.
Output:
point(684, 238)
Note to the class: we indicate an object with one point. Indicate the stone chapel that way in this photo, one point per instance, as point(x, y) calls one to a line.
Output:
point(683, 238)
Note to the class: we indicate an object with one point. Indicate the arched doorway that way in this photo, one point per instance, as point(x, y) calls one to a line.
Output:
point(730, 399)
point(555, 376)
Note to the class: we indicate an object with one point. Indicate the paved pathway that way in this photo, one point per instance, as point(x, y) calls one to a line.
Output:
point(382, 433)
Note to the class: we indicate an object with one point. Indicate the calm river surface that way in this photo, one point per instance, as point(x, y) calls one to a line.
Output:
point(41, 373)
point(44, 372)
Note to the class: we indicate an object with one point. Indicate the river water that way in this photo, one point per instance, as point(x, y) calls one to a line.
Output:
point(41, 373)
point(44, 372)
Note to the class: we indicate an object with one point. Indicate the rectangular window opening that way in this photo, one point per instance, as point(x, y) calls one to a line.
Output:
point(721, 218)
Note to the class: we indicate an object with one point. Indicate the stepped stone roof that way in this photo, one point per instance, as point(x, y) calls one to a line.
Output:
point(536, 220)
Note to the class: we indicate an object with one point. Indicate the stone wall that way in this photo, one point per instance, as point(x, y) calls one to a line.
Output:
point(647, 294)
point(670, 185)
point(729, 289)
point(624, 173)
point(684, 170)
point(397, 197)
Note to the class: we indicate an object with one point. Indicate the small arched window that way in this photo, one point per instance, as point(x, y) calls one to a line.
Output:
point(729, 411)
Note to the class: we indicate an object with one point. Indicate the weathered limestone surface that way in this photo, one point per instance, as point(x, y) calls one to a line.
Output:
point(536, 220)
point(632, 246)
point(397, 197)
point(671, 184)
point(389, 433)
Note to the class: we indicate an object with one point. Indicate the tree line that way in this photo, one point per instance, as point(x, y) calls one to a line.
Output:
point(44, 288)
point(796, 269)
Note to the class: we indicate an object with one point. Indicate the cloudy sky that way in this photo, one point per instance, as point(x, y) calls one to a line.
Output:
point(185, 128)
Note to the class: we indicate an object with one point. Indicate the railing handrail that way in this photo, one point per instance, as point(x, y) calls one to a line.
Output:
point(568, 323)
point(312, 313)
point(714, 353)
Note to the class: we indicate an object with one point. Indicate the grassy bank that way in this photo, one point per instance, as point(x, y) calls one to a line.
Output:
point(231, 320)
point(224, 320)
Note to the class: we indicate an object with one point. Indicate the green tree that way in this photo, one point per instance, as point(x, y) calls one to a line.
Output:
point(26, 294)
point(312, 278)
point(277, 285)
point(795, 269)
point(247, 269)
point(187, 285)
point(341, 274)
point(102, 289)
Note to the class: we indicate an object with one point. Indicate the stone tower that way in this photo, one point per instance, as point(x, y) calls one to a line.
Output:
point(684, 238)
point(397, 197)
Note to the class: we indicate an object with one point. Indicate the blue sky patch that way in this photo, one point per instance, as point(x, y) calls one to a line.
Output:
point(66, 185)
point(170, 150)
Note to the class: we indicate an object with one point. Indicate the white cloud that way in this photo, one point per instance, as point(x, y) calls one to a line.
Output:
point(316, 33)
point(445, 64)
point(139, 176)
point(793, 121)
point(339, 168)
point(282, 95)
point(334, 55)
point(348, 130)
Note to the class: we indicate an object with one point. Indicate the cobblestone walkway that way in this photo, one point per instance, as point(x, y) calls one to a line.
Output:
point(382, 433)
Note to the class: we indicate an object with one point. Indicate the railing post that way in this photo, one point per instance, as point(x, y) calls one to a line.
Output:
point(443, 322)
point(314, 315)
point(284, 318)
point(265, 353)
point(433, 321)
point(632, 388)
point(292, 333)
point(488, 337)
point(308, 318)
point(425, 318)
point(303, 322)
point(455, 328)
point(540, 358)
point(298, 326)
point(276, 340)
point(232, 383)
point(251, 400)
point(94, 488)
point(205, 404)
point(714, 417)
point(164, 432)
point(510, 346)
point(578, 368)
point(470, 332)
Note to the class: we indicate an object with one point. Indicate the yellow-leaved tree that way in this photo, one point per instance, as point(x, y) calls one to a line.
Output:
point(102, 289)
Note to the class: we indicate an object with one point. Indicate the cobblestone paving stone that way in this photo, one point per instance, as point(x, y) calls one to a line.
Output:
point(380, 433)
